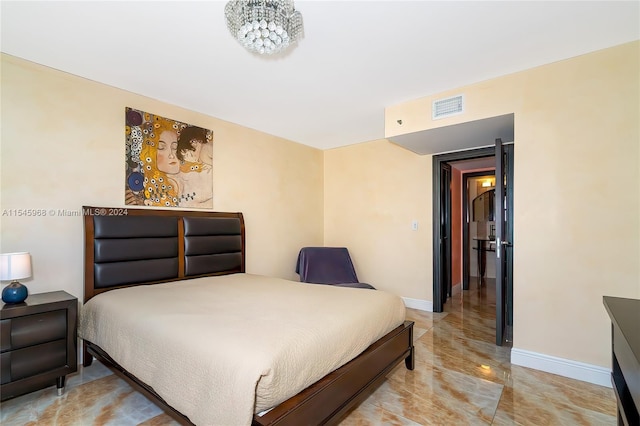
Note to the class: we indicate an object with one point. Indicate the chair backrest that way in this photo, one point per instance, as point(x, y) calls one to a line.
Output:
point(325, 265)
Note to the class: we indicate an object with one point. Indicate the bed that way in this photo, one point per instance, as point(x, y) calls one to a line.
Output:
point(169, 307)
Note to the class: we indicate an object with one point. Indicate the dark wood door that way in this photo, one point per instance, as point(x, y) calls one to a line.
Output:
point(445, 232)
point(504, 239)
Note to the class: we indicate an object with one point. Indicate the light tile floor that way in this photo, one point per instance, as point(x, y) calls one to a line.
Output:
point(461, 378)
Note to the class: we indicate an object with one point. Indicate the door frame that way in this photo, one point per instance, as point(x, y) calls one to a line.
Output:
point(438, 305)
point(438, 161)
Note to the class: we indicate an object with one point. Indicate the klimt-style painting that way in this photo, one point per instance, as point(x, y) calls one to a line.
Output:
point(168, 163)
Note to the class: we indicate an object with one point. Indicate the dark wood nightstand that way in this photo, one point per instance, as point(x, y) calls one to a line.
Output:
point(38, 343)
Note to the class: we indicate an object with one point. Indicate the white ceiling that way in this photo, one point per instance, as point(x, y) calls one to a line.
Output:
point(330, 90)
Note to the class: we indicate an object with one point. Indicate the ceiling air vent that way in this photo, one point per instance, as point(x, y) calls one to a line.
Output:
point(447, 107)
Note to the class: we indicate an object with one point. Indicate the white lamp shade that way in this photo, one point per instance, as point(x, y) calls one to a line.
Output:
point(15, 266)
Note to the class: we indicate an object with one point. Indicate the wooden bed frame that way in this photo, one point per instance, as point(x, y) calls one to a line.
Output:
point(190, 244)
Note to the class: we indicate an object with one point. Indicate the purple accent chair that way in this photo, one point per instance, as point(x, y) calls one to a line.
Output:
point(328, 265)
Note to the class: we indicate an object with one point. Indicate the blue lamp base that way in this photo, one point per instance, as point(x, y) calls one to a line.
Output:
point(14, 293)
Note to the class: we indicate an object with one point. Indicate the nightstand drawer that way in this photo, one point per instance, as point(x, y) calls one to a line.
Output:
point(33, 360)
point(38, 343)
point(34, 329)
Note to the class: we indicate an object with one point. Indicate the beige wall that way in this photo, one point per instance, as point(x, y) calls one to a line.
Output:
point(63, 147)
point(372, 193)
point(576, 202)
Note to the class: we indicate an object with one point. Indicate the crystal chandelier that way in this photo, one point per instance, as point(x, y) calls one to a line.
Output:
point(264, 26)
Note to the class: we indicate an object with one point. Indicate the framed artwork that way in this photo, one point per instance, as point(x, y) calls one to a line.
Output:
point(168, 163)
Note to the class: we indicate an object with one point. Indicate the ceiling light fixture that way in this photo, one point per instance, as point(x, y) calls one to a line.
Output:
point(264, 26)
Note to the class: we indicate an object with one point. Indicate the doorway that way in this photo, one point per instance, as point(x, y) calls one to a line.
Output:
point(477, 233)
point(442, 241)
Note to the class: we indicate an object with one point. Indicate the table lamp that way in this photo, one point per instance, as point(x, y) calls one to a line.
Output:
point(14, 267)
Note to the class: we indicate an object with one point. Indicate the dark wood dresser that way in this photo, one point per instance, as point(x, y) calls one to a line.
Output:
point(625, 344)
point(38, 343)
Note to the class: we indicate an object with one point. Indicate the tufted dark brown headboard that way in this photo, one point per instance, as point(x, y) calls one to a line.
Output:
point(125, 247)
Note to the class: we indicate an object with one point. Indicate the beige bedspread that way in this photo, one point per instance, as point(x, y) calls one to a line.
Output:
point(219, 349)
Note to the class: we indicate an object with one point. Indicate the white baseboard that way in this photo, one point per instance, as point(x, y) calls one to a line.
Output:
point(562, 367)
point(419, 304)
